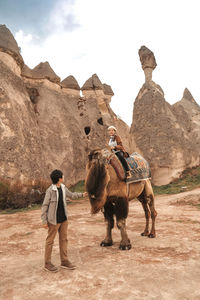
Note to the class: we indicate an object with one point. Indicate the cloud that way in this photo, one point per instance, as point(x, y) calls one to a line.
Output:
point(22, 38)
point(62, 17)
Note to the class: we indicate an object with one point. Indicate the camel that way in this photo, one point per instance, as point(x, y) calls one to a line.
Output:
point(111, 195)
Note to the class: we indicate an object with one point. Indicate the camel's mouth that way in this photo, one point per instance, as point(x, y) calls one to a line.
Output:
point(95, 211)
point(96, 208)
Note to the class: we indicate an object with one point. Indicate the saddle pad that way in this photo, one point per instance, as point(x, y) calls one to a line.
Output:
point(139, 167)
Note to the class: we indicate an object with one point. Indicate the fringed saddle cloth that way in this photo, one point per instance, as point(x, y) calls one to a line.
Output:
point(138, 166)
point(116, 164)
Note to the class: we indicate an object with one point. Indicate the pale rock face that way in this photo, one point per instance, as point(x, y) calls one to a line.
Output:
point(42, 82)
point(100, 97)
point(59, 136)
point(72, 92)
point(21, 150)
point(10, 62)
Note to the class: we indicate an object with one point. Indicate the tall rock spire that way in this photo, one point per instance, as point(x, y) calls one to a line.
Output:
point(162, 132)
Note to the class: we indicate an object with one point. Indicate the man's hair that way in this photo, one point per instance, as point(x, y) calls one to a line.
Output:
point(56, 175)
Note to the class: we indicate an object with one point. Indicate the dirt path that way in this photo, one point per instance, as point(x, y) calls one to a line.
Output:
point(167, 267)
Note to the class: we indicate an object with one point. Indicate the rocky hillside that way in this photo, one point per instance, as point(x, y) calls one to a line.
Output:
point(45, 123)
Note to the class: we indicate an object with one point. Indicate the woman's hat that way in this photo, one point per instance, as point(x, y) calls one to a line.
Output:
point(112, 127)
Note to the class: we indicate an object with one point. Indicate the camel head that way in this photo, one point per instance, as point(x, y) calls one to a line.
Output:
point(95, 154)
point(96, 180)
point(100, 155)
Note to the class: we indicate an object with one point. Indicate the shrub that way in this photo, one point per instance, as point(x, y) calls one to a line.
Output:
point(20, 195)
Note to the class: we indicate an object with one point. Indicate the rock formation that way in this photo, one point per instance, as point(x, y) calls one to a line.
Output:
point(71, 83)
point(41, 71)
point(70, 86)
point(187, 112)
point(46, 124)
point(157, 129)
point(94, 89)
point(148, 62)
point(9, 45)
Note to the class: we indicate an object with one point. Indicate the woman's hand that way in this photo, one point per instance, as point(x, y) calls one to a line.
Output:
point(45, 226)
point(85, 194)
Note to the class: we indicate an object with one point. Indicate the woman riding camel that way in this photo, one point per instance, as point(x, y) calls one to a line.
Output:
point(116, 146)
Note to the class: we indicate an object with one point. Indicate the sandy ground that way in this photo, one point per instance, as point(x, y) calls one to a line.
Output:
point(167, 267)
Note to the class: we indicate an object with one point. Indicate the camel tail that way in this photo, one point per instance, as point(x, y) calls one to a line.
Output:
point(96, 182)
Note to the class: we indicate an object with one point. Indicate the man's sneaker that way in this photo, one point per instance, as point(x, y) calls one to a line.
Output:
point(67, 265)
point(51, 268)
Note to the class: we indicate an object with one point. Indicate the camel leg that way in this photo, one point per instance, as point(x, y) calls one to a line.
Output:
point(108, 214)
point(121, 211)
point(153, 216)
point(142, 198)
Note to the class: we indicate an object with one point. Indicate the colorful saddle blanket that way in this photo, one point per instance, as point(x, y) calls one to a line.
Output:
point(138, 166)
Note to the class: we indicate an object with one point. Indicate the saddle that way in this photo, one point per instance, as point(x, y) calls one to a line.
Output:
point(139, 167)
point(117, 166)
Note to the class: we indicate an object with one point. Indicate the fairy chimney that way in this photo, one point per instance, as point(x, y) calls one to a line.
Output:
point(44, 70)
point(93, 88)
point(148, 62)
point(163, 133)
point(9, 45)
point(9, 51)
point(70, 86)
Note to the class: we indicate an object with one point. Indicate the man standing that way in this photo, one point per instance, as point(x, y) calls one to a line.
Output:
point(54, 218)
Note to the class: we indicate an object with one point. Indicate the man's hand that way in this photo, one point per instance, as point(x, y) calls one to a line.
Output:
point(45, 226)
point(85, 194)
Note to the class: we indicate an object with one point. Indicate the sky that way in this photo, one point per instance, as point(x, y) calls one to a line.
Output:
point(83, 37)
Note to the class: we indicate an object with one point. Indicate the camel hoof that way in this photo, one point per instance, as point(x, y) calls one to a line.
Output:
point(125, 247)
point(144, 234)
point(151, 235)
point(106, 244)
